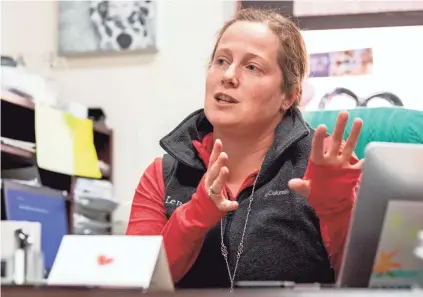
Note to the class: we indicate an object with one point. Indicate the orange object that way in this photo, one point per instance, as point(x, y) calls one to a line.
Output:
point(103, 260)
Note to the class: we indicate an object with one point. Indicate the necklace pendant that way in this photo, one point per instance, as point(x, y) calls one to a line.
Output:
point(224, 251)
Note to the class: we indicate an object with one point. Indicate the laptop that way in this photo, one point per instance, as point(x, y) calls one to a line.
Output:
point(388, 216)
point(383, 245)
point(112, 261)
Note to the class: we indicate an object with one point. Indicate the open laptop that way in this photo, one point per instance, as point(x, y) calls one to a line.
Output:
point(112, 261)
point(382, 244)
point(388, 216)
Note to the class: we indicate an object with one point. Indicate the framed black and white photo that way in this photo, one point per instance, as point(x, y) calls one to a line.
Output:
point(91, 27)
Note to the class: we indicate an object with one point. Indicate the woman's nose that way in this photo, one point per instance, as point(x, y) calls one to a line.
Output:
point(229, 78)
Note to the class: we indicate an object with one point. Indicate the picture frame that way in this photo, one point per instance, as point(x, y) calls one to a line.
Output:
point(340, 14)
point(106, 27)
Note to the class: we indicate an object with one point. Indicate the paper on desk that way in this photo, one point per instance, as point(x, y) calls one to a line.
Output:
point(65, 143)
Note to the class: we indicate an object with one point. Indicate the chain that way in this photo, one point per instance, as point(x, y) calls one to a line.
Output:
point(223, 247)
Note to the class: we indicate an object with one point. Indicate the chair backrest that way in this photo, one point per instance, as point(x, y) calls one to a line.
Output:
point(384, 124)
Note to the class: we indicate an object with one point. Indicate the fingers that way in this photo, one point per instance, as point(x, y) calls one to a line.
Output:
point(219, 183)
point(218, 186)
point(352, 140)
point(217, 176)
point(300, 186)
point(338, 133)
point(317, 153)
point(215, 168)
point(217, 149)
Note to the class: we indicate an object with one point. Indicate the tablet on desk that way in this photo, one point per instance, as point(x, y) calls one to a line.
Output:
point(112, 261)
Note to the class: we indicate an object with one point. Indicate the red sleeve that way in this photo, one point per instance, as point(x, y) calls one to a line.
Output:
point(333, 194)
point(184, 232)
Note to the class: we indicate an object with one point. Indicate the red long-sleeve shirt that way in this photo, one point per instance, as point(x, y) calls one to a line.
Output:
point(184, 232)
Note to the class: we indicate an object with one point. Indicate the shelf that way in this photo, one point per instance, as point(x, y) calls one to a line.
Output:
point(18, 122)
point(28, 104)
point(13, 157)
point(11, 150)
point(101, 128)
point(17, 100)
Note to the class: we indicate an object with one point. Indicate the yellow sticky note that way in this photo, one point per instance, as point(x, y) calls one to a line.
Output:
point(85, 155)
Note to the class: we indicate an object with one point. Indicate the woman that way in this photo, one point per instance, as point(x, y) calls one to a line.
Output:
point(220, 197)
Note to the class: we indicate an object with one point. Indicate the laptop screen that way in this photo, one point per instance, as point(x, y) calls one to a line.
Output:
point(38, 204)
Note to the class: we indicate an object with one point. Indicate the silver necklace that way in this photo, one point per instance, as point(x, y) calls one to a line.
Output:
point(223, 247)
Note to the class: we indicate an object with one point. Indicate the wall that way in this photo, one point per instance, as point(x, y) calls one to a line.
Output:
point(144, 96)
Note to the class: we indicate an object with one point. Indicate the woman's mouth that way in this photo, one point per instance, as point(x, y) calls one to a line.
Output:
point(224, 98)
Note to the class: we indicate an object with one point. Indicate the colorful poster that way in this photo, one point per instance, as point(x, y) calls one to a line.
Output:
point(342, 63)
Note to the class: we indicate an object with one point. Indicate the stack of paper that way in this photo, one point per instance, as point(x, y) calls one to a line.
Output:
point(94, 204)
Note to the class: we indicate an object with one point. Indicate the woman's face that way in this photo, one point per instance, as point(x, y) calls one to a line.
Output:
point(243, 86)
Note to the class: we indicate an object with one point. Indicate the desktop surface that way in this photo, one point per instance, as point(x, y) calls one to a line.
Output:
point(50, 291)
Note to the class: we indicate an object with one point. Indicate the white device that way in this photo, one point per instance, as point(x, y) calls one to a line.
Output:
point(112, 261)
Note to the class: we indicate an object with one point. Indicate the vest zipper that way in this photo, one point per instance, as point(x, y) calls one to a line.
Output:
point(268, 172)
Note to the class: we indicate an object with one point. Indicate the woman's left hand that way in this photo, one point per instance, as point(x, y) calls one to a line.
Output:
point(337, 155)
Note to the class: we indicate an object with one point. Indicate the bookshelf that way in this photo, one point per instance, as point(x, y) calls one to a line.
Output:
point(18, 122)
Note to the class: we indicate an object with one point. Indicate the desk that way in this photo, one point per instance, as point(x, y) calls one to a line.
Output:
point(51, 291)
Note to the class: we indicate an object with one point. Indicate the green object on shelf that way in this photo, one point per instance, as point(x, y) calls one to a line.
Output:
point(384, 124)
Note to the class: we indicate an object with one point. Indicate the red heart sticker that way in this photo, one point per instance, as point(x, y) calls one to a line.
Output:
point(103, 260)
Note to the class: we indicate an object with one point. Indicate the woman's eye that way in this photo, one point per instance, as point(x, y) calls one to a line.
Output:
point(220, 61)
point(251, 67)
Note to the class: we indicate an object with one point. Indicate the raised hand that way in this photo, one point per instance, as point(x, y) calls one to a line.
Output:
point(334, 157)
point(337, 155)
point(216, 177)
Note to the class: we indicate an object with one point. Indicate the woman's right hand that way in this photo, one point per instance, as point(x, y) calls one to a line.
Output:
point(216, 178)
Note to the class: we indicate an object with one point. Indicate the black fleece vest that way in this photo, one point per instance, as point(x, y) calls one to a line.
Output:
point(283, 240)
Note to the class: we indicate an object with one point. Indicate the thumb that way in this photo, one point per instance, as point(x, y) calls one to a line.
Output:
point(300, 186)
point(228, 205)
point(359, 164)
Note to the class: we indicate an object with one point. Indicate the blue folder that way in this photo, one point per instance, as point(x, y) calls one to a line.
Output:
point(39, 204)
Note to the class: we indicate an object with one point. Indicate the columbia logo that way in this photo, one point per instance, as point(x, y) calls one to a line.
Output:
point(276, 193)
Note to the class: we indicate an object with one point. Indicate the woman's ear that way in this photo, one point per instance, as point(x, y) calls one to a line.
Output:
point(288, 100)
point(281, 107)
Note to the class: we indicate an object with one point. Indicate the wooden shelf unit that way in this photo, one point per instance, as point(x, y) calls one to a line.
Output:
point(28, 104)
point(18, 122)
